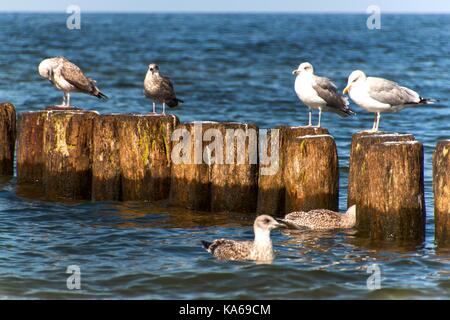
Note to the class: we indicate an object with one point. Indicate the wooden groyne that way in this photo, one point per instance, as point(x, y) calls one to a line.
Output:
point(7, 138)
point(441, 189)
point(386, 184)
point(226, 166)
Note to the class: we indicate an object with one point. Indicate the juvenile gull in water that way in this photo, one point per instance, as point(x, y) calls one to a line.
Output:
point(319, 93)
point(321, 219)
point(260, 249)
point(381, 95)
point(67, 77)
point(159, 89)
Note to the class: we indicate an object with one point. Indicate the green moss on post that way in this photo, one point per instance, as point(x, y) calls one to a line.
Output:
point(271, 187)
point(311, 173)
point(391, 201)
point(68, 154)
point(131, 157)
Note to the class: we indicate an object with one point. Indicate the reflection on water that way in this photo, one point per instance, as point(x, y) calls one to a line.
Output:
point(236, 69)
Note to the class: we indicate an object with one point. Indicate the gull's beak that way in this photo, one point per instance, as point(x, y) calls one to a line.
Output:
point(347, 89)
point(295, 72)
point(280, 223)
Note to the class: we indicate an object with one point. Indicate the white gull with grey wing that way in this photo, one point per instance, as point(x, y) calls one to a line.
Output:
point(381, 95)
point(319, 93)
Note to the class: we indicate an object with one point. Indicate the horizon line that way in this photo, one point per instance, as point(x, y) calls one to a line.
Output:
point(220, 12)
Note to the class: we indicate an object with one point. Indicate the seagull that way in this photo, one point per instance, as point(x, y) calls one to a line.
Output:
point(159, 89)
point(259, 250)
point(321, 219)
point(381, 95)
point(68, 77)
point(319, 93)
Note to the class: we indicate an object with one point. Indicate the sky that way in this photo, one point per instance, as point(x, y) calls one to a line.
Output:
point(356, 6)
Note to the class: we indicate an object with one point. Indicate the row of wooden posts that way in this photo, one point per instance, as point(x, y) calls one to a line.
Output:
point(79, 154)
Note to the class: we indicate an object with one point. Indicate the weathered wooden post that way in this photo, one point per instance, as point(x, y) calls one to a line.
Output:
point(30, 146)
point(7, 138)
point(234, 178)
point(190, 182)
point(132, 157)
point(67, 154)
point(215, 167)
point(271, 185)
point(441, 189)
point(391, 192)
point(311, 173)
point(361, 142)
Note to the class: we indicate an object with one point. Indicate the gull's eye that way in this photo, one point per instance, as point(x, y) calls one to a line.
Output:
point(266, 221)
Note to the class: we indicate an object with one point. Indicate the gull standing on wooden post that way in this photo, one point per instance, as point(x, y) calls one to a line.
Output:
point(68, 77)
point(381, 95)
point(259, 250)
point(159, 89)
point(319, 93)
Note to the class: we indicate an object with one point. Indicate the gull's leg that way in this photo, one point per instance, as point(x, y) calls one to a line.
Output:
point(320, 117)
point(164, 108)
point(154, 107)
point(378, 121)
point(64, 100)
point(374, 123)
point(310, 117)
point(68, 99)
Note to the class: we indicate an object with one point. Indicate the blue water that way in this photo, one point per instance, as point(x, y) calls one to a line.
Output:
point(225, 67)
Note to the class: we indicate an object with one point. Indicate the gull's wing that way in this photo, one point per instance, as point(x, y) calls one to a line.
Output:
point(389, 92)
point(76, 77)
point(229, 249)
point(315, 219)
point(328, 92)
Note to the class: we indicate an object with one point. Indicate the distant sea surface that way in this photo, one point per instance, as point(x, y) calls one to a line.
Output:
point(230, 67)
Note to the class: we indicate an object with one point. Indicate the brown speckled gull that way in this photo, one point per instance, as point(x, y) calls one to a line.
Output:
point(159, 88)
point(259, 250)
point(321, 219)
point(68, 77)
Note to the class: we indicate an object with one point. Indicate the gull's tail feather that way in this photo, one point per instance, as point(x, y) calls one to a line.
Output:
point(174, 102)
point(102, 96)
point(206, 245)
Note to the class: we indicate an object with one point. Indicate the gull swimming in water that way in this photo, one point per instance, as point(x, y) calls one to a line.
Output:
point(321, 219)
point(259, 250)
point(68, 77)
point(381, 95)
point(319, 93)
point(159, 89)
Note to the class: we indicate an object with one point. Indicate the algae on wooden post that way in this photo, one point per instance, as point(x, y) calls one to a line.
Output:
point(391, 199)
point(311, 173)
point(271, 187)
point(68, 154)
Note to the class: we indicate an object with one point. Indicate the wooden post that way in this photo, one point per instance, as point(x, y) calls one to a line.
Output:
point(311, 173)
point(361, 142)
point(216, 168)
point(190, 184)
point(441, 189)
point(131, 157)
point(67, 154)
point(271, 185)
point(7, 138)
point(391, 192)
point(234, 179)
point(30, 147)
